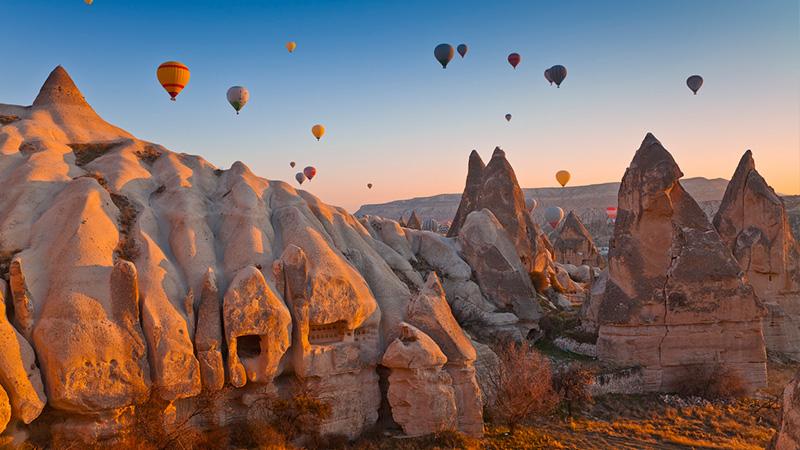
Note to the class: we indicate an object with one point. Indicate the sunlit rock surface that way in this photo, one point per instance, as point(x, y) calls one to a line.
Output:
point(753, 224)
point(675, 298)
point(139, 275)
point(788, 436)
point(420, 390)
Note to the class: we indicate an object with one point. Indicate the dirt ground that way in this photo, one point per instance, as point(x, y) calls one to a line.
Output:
point(634, 422)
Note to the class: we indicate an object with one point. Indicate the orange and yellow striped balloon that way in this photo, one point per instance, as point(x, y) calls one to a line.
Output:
point(173, 76)
point(291, 45)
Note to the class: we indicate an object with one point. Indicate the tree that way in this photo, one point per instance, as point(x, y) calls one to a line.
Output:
point(571, 383)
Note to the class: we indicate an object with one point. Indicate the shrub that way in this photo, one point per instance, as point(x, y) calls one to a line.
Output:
point(520, 385)
point(711, 383)
point(571, 383)
point(300, 415)
point(149, 154)
point(88, 152)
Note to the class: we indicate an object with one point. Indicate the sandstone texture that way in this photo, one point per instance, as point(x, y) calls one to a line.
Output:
point(495, 187)
point(169, 279)
point(675, 298)
point(420, 391)
point(788, 436)
point(574, 245)
point(753, 224)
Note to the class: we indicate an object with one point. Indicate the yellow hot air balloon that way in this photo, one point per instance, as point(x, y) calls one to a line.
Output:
point(318, 130)
point(563, 177)
point(173, 76)
point(291, 45)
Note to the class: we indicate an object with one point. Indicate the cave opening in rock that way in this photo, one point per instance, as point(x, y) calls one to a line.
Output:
point(248, 346)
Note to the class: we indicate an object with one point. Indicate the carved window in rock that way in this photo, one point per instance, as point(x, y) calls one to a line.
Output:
point(328, 333)
point(363, 333)
point(248, 346)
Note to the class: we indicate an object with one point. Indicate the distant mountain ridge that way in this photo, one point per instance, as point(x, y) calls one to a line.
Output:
point(589, 202)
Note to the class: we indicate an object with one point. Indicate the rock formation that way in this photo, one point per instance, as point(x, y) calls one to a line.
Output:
point(574, 245)
point(430, 313)
point(497, 265)
point(170, 278)
point(420, 391)
point(413, 221)
point(675, 298)
point(753, 224)
point(788, 435)
point(423, 253)
point(495, 187)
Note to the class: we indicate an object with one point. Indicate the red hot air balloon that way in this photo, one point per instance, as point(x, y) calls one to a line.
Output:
point(309, 172)
point(514, 59)
point(611, 212)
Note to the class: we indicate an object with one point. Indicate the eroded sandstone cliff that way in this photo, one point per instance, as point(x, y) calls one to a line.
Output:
point(139, 276)
point(753, 224)
point(675, 299)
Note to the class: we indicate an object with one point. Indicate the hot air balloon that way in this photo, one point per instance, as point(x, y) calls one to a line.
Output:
point(547, 76)
point(514, 59)
point(238, 97)
point(508, 117)
point(173, 76)
point(88, 2)
point(443, 53)
point(300, 177)
point(369, 185)
point(462, 49)
point(317, 130)
point(553, 215)
point(292, 164)
point(563, 177)
point(611, 212)
point(291, 45)
point(694, 82)
point(532, 204)
point(557, 74)
point(309, 172)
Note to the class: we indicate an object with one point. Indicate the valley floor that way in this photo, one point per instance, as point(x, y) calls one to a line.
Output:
point(633, 422)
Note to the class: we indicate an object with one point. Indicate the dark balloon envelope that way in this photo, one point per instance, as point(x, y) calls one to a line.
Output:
point(443, 53)
point(547, 76)
point(309, 172)
point(694, 82)
point(462, 49)
point(514, 59)
point(557, 74)
point(508, 117)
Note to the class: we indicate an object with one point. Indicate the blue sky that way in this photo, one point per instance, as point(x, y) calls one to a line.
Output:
point(366, 70)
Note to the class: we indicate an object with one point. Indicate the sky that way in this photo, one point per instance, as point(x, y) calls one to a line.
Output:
point(365, 69)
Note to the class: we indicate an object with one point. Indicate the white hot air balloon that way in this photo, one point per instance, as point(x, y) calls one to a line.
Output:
point(238, 97)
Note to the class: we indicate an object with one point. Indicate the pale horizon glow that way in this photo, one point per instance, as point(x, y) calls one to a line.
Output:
point(394, 118)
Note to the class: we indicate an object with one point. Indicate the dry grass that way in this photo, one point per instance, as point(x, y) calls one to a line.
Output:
point(149, 154)
point(86, 153)
point(6, 119)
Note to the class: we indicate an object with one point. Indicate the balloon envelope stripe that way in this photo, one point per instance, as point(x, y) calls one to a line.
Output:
point(173, 66)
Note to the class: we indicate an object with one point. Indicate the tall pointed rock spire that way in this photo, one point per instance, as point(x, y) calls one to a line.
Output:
point(59, 89)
